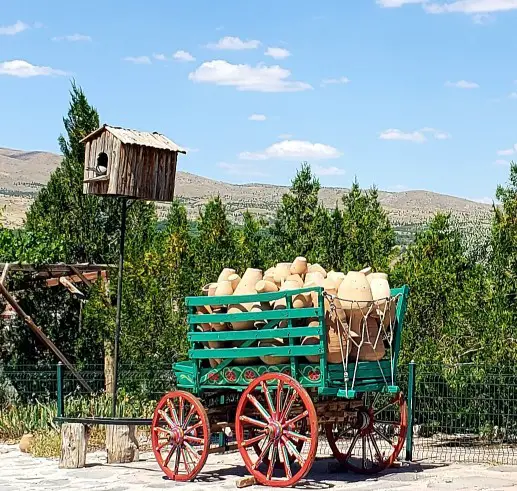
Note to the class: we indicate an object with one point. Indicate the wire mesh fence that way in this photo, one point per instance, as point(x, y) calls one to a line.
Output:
point(462, 413)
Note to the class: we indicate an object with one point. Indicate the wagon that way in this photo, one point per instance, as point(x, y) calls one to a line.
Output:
point(278, 413)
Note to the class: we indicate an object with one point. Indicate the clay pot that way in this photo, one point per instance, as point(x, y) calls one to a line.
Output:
point(309, 340)
point(204, 309)
point(374, 276)
point(381, 292)
point(355, 293)
point(247, 285)
point(234, 279)
point(264, 286)
point(367, 351)
point(282, 271)
point(246, 360)
point(336, 335)
point(297, 278)
point(388, 312)
point(316, 278)
point(317, 268)
point(329, 286)
point(299, 301)
point(299, 266)
point(214, 362)
point(223, 288)
point(26, 442)
point(260, 307)
point(225, 273)
point(269, 359)
point(209, 289)
point(336, 277)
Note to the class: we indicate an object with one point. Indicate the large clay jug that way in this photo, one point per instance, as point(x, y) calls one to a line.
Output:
point(372, 347)
point(374, 276)
point(299, 266)
point(246, 286)
point(270, 359)
point(355, 294)
point(336, 277)
point(282, 271)
point(381, 292)
point(225, 273)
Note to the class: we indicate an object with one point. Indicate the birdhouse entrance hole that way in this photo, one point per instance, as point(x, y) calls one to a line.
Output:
point(102, 164)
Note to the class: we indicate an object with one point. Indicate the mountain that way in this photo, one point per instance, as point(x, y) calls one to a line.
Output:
point(23, 173)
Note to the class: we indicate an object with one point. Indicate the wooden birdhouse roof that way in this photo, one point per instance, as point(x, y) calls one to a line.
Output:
point(135, 137)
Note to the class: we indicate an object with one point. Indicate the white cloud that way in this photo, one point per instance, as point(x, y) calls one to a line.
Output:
point(328, 171)
point(138, 60)
point(397, 3)
point(507, 151)
point(159, 57)
point(462, 84)
point(257, 117)
point(513, 95)
point(333, 81)
point(241, 170)
point(24, 69)
point(417, 136)
point(13, 29)
point(285, 136)
point(277, 53)
point(472, 6)
point(234, 44)
point(260, 78)
point(501, 162)
point(73, 38)
point(181, 55)
point(297, 149)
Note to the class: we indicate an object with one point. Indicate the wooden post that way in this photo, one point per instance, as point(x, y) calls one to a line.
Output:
point(74, 439)
point(121, 444)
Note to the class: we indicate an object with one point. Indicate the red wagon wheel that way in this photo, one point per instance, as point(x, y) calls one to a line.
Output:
point(269, 411)
point(180, 435)
point(375, 438)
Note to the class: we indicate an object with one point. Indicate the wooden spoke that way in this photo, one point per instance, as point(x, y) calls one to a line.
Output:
point(278, 446)
point(255, 439)
point(253, 422)
point(267, 396)
point(295, 419)
point(177, 410)
point(260, 408)
point(378, 450)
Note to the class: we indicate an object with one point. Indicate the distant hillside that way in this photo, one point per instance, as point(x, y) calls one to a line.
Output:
point(23, 173)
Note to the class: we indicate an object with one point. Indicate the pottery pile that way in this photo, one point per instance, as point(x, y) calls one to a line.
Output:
point(361, 307)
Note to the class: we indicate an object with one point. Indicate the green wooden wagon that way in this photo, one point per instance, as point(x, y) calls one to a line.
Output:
point(276, 413)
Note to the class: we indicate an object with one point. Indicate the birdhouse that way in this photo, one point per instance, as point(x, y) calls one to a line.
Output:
point(130, 163)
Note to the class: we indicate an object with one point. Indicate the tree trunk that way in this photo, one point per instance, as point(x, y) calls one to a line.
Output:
point(121, 444)
point(108, 367)
point(74, 439)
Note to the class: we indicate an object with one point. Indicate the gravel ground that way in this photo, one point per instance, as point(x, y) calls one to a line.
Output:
point(22, 472)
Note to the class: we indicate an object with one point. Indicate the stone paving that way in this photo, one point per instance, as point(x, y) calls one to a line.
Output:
point(22, 472)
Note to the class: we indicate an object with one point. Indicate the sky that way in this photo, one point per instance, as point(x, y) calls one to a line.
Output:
point(403, 94)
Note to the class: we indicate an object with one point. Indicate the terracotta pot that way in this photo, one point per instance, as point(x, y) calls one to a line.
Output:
point(296, 278)
point(282, 271)
point(381, 292)
point(329, 286)
point(309, 340)
point(270, 277)
point(388, 313)
point(260, 307)
point(269, 359)
point(223, 288)
point(246, 360)
point(317, 268)
point(316, 277)
point(336, 277)
point(371, 349)
point(299, 301)
point(374, 276)
point(270, 271)
point(234, 279)
point(355, 293)
point(209, 289)
point(336, 336)
point(225, 273)
point(214, 362)
point(299, 266)
point(246, 286)
point(204, 309)
point(264, 286)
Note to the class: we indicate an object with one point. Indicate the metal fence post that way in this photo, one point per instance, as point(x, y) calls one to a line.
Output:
point(411, 411)
point(60, 400)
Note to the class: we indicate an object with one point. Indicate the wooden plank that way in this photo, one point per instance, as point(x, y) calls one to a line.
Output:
point(295, 332)
point(304, 313)
point(232, 353)
point(250, 298)
point(71, 287)
point(5, 270)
